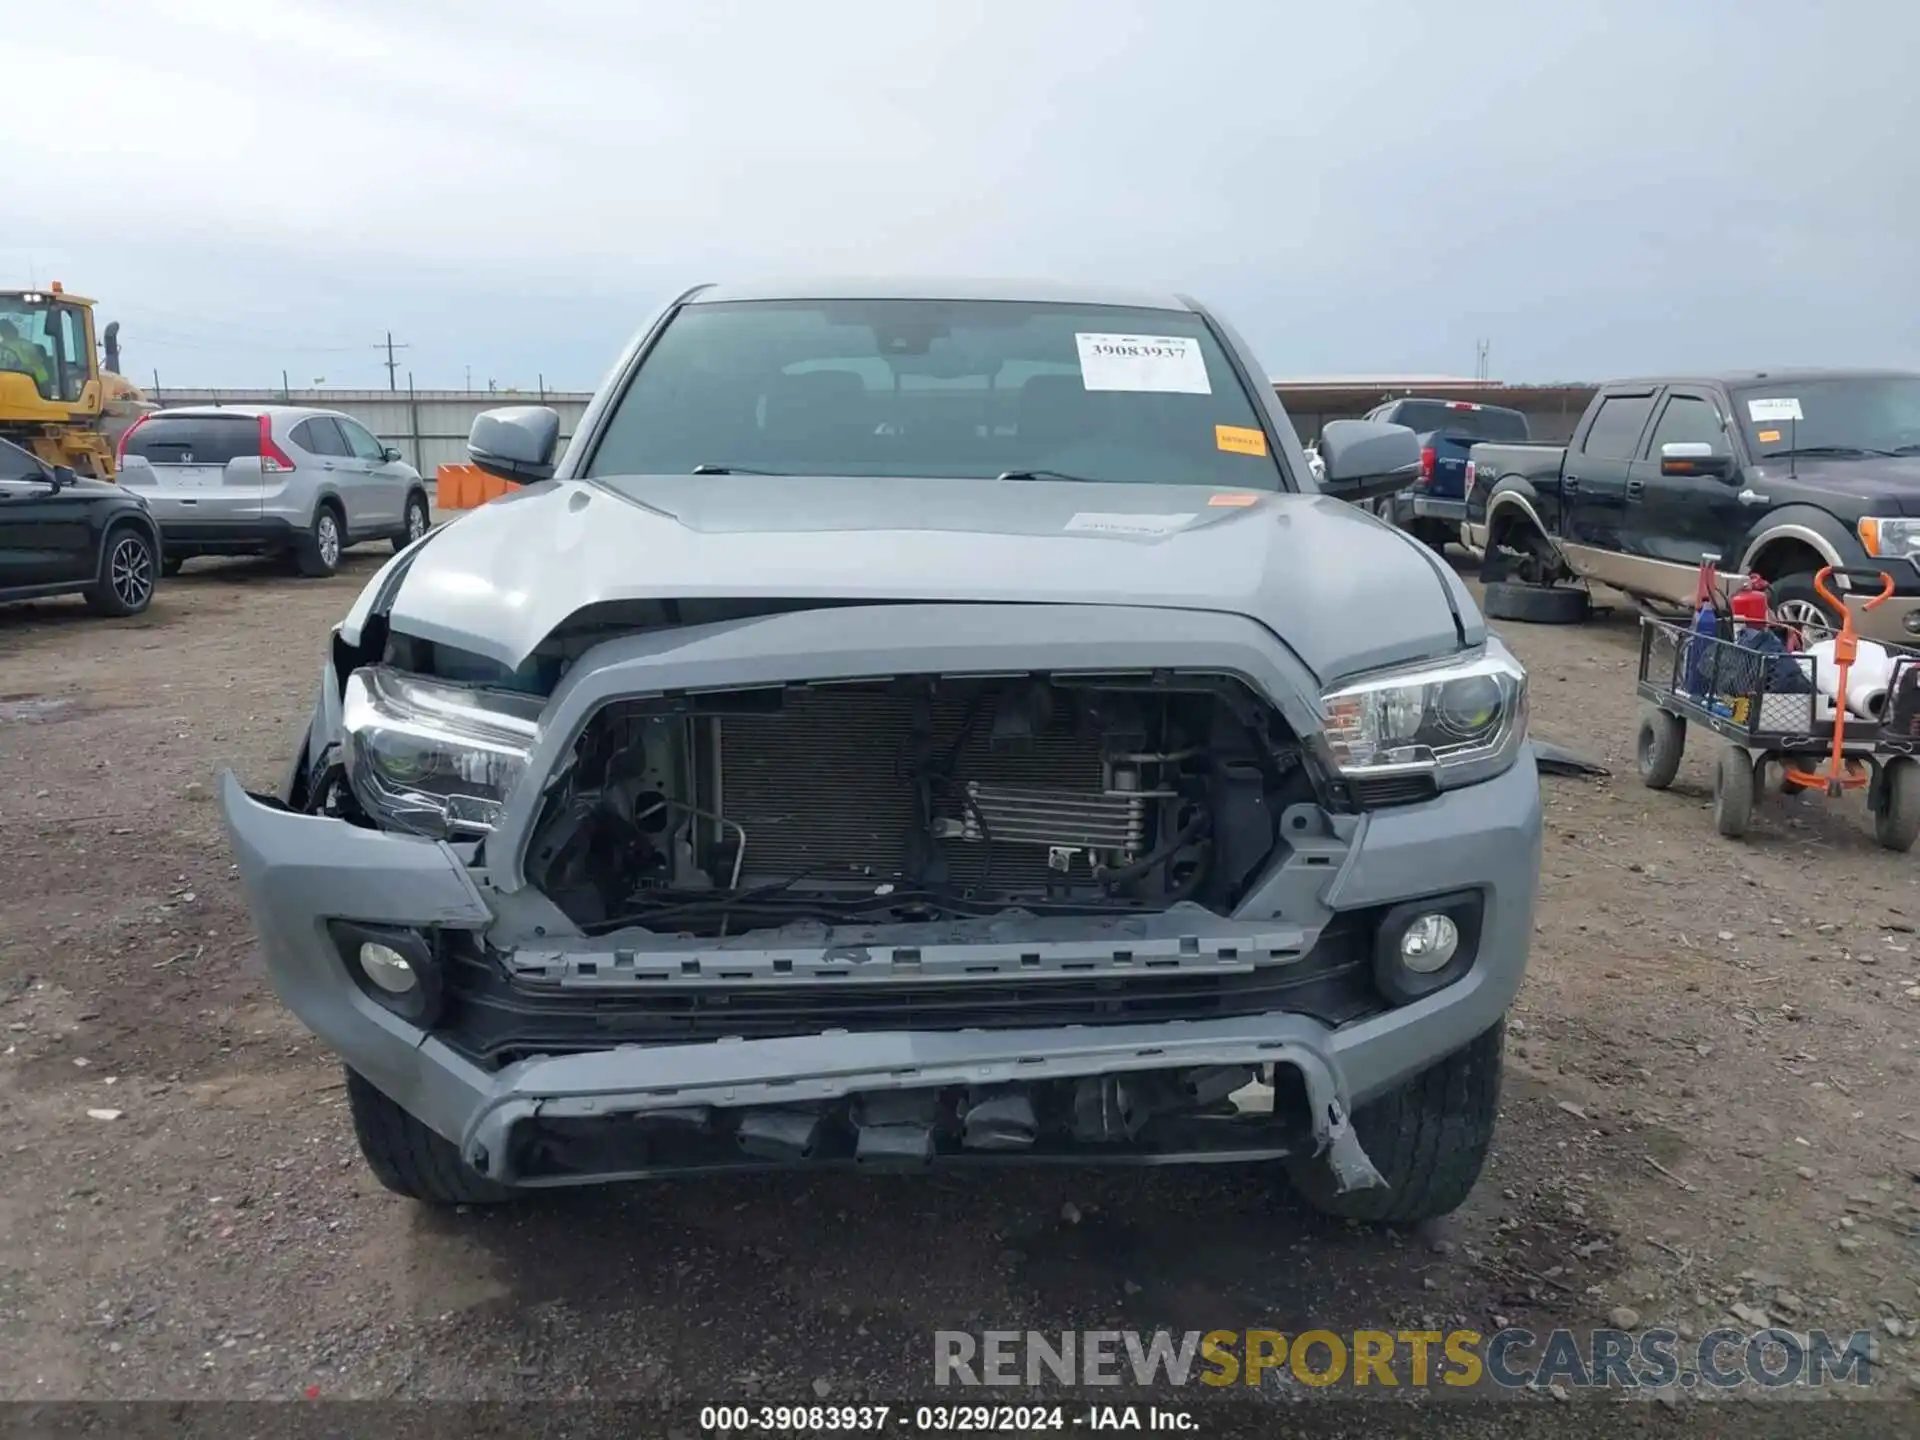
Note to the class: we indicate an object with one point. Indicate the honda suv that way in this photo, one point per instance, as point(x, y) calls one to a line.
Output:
point(270, 480)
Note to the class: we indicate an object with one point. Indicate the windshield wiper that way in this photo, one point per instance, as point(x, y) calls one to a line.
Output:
point(731, 470)
point(1048, 475)
point(1847, 452)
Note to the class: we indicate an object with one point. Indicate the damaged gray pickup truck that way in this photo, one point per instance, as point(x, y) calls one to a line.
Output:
point(913, 724)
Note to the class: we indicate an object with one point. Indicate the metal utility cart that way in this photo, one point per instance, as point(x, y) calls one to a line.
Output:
point(1783, 716)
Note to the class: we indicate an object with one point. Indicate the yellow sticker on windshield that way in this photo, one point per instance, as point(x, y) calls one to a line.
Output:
point(1233, 502)
point(1240, 440)
point(1767, 437)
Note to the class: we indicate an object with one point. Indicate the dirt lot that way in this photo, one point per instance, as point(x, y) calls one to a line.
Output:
point(1710, 1111)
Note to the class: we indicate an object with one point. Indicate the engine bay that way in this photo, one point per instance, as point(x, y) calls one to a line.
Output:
point(919, 798)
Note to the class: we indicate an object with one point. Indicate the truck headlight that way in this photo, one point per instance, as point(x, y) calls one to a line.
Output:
point(1461, 721)
point(1890, 537)
point(432, 758)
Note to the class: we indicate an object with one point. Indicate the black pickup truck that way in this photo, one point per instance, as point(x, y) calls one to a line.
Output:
point(1772, 473)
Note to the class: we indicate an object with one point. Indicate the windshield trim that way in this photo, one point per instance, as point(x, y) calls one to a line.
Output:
point(591, 434)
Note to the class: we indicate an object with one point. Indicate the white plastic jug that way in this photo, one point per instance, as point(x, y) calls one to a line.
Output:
point(1867, 681)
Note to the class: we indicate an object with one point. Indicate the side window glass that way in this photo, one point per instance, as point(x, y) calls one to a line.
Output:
point(323, 436)
point(363, 445)
point(1688, 420)
point(1615, 430)
point(19, 464)
point(70, 336)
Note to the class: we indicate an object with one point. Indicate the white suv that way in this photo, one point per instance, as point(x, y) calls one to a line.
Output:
point(270, 479)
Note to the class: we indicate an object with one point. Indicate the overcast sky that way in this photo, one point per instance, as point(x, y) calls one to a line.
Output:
point(1363, 186)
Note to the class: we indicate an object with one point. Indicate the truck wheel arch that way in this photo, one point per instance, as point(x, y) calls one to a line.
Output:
point(1510, 502)
point(1799, 539)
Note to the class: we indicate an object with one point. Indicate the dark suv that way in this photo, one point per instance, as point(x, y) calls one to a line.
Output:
point(64, 535)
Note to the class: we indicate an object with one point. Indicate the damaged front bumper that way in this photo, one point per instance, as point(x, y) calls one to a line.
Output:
point(561, 1119)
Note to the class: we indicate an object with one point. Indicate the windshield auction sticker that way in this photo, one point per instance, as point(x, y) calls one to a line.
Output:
point(1170, 364)
point(1786, 409)
point(1240, 439)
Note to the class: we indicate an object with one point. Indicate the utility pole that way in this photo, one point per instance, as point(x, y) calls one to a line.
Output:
point(1482, 348)
point(393, 365)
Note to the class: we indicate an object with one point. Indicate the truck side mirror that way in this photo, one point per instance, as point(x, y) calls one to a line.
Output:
point(515, 443)
point(1367, 458)
point(1694, 457)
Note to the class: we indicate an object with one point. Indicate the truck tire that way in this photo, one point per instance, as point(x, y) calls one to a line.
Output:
point(1536, 604)
point(1794, 601)
point(1896, 825)
point(1658, 747)
point(1428, 1139)
point(411, 1160)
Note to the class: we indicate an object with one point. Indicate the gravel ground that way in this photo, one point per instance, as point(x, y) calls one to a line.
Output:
point(1710, 1110)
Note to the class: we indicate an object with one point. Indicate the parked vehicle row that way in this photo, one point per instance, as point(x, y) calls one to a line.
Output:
point(1777, 474)
point(275, 480)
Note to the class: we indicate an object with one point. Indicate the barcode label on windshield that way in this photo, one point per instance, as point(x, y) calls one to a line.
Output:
point(1166, 363)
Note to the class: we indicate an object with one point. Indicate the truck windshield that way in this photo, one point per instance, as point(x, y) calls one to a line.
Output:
point(1471, 422)
point(1844, 415)
point(950, 389)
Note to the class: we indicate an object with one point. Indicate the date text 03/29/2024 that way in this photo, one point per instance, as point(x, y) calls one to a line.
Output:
point(938, 1419)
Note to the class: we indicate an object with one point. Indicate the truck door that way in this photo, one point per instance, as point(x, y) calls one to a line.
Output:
point(1593, 481)
point(1683, 518)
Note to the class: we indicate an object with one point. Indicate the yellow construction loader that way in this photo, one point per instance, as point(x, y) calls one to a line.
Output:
point(56, 398)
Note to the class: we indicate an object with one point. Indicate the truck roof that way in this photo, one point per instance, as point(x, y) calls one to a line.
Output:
point(1739, 379)
point(872, 287)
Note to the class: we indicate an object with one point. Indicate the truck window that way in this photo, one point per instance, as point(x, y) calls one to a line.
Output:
point(1688, 420)
point(935, 388)
point(69, 333)
point(1469, 422)
point(1615, 430)
point(1862, 413)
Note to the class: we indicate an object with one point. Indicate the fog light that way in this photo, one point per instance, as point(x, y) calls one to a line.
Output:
point(388, 968)
point(1425, 946)
point(395, 967)
point(1912, 622)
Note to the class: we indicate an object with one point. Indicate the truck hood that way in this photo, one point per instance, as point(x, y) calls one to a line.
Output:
point(1346, 593)
point(1890, 484)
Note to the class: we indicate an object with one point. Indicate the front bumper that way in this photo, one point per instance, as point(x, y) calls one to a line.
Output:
point(1896, 620)
point(299, 872)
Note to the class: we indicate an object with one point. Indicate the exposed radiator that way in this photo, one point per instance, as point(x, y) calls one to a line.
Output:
point(826, 787)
